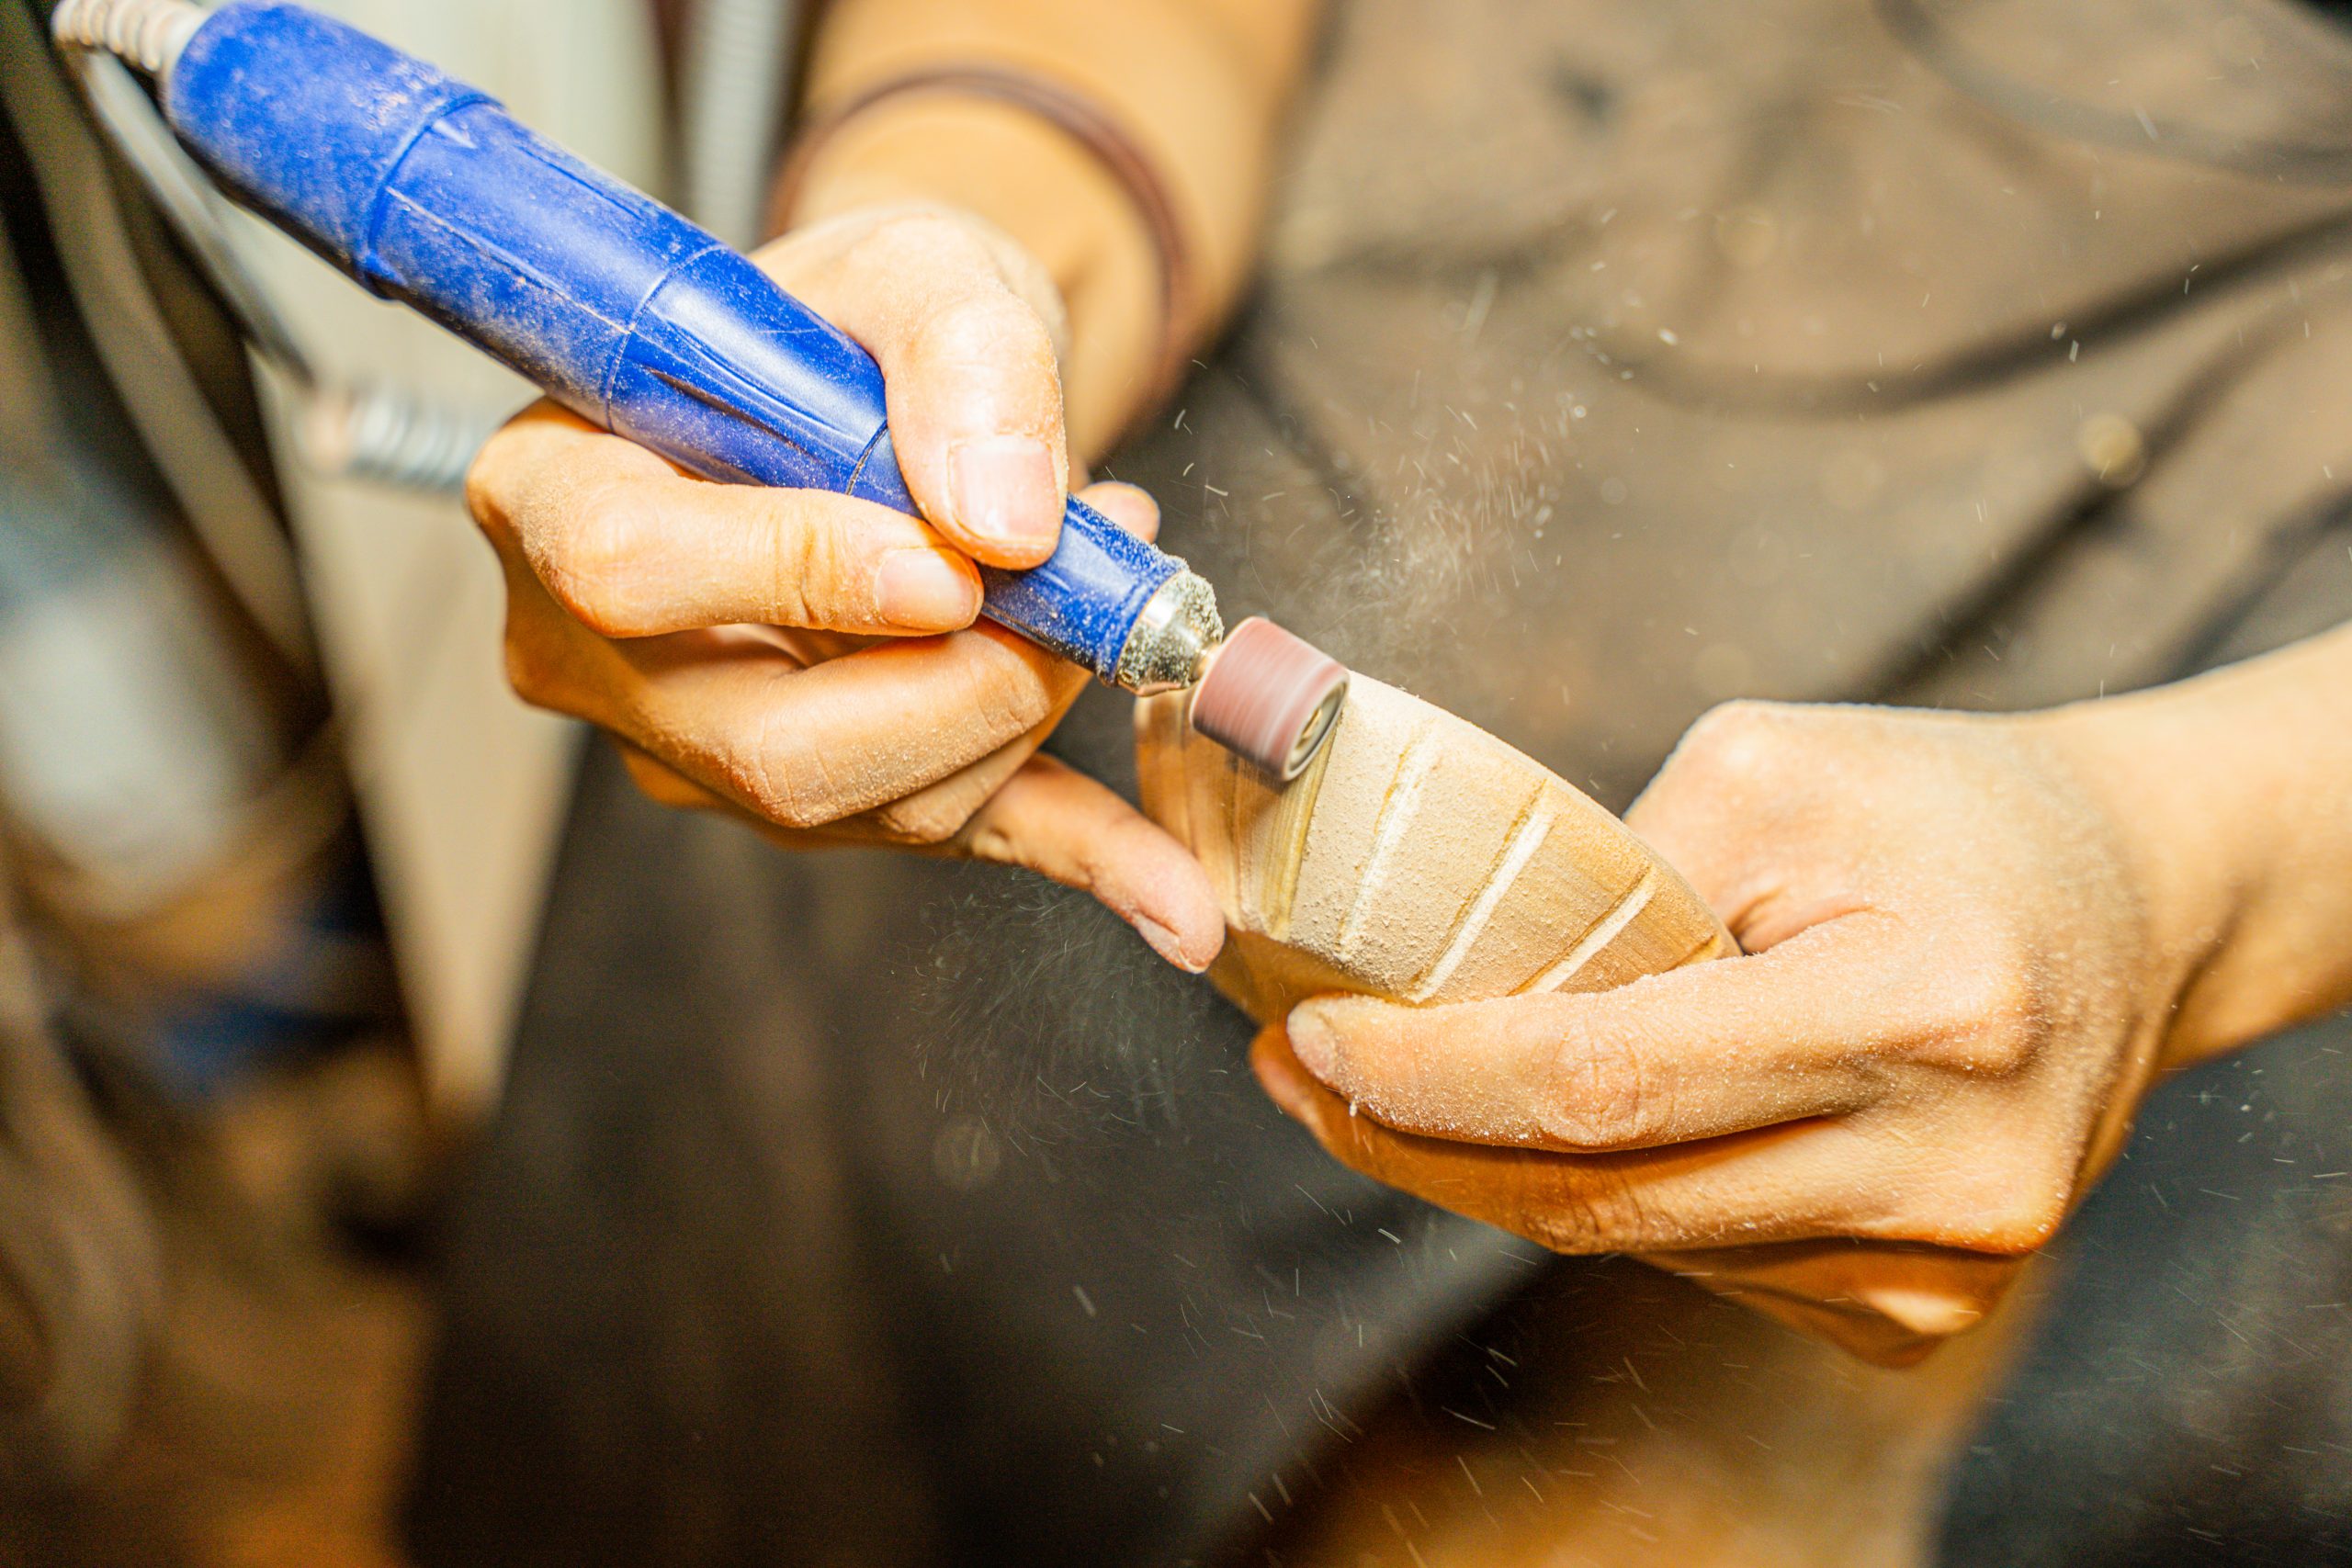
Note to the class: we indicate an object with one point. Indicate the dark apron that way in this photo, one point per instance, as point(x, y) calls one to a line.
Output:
point(1612, 360)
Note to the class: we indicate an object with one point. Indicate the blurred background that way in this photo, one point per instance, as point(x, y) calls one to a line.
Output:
point(273, 832)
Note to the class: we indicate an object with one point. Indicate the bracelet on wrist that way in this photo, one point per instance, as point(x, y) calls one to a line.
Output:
point(1085, 123)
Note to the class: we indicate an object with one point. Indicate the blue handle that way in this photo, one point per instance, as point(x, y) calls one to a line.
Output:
point(428, 192)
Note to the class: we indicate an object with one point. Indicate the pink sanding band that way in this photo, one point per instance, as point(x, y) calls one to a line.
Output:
point(1263, 690)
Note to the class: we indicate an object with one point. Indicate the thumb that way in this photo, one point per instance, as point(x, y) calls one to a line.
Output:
point(972, 376)
point(1059, 823)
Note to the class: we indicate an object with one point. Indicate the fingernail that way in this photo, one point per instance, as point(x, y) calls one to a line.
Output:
point(1004, 489)
point(1163, 942)
point(924, 591)
point(1311, 1042)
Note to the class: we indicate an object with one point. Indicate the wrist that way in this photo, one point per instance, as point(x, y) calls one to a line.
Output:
point(2228, 794)
point(2135, 759)
point(1036, 182)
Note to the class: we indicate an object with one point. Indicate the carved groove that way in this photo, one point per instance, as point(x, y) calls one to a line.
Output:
point(1536, 820)
point(1389, 835)
point(1604, 931)
point(1297, 815)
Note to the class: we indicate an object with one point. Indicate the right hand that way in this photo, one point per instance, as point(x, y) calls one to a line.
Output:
point(1950, 1002)
point(1971, 946)
point(813, 663)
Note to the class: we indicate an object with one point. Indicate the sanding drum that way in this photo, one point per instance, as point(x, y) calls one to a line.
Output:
point(1270, 696)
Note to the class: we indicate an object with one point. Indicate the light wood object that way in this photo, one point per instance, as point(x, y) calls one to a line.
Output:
point(1419, 859)
point(1422, 860)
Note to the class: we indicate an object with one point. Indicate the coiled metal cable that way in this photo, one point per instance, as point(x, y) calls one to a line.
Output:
point(148, 34)
point(384, 435)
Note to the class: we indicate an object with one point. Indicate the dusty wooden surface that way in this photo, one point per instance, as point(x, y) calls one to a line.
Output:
point(1418, 858)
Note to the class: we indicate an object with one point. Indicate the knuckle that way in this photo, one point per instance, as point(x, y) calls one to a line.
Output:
point(590, 568)
point(1004, 699)
point(917, 821)
point(909, 251)
point(484, 504)
point(1984, 1018)
point(988, 328)
point(784, 794)
point(785, 779)
point(2006, 1206)
point(497, 484)
point(812, 568)
point(923, 230)
point(1604, 1214)
point(530, 675)
point(1603, 1097)
point(2023, 1220)
point(1735, 741)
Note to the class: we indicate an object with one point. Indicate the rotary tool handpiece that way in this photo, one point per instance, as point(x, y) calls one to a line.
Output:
point(426, 191)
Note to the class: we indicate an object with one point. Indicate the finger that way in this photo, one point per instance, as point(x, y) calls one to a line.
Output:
point(1889, 1302)
point(1044, 818)
point(806, 747)
point(733, 709)
point(667, 786)
point(1038, 814)
point(1787, 1183)
point(936, 814)
point(1862, 1332)
point(973, 383)
point(1063, 824)
point(1128, 506)
point(633, 547)
point(1031, 811)
point(1859, 1178)
point(706, 719)
point(1802, 1030)
point(933, 818)
point(1725, 796)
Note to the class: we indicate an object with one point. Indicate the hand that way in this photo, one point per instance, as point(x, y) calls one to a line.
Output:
point(1956, 994)
point(810, 661)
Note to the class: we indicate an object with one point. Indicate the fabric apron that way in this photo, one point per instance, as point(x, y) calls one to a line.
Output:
point(1610, 360)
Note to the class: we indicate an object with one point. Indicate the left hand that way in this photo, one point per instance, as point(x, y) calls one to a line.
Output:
point(1955, 997)
point(760, 652)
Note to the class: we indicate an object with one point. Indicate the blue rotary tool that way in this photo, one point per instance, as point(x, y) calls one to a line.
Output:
point(425, 191)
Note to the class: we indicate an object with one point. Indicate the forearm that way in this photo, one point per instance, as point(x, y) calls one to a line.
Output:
point(2233, 793)
point(1198, 85)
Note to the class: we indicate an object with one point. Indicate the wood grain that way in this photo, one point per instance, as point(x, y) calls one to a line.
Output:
point(1419, 859)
